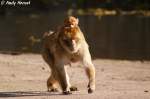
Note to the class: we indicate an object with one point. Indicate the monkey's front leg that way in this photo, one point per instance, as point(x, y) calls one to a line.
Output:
point(90, 71)
point(63, 79)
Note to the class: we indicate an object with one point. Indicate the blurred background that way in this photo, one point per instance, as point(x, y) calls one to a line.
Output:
point(114, 29)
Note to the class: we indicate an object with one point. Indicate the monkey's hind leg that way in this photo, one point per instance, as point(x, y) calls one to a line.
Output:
point(52, 84)
point(52, 80)
point(63, 79)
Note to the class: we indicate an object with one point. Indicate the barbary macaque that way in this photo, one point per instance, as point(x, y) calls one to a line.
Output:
point(62, 48)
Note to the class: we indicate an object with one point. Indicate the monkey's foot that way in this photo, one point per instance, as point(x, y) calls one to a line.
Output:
point(53, 90)
point(90, 90)
point(73, 88)
point(67, 92)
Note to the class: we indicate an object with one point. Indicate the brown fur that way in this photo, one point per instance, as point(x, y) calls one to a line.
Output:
point(62, 48)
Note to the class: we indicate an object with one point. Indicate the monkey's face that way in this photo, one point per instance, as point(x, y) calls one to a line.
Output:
point(71, 21)
point(70, 42)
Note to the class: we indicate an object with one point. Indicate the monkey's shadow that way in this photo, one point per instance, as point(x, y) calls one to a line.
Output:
point(26, 93)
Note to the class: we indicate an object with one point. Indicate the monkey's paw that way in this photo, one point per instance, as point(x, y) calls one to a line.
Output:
point(90, 90)
point(73, 88)
point(53, 90)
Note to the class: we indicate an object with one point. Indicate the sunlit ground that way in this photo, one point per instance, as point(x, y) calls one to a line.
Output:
point(24, 76)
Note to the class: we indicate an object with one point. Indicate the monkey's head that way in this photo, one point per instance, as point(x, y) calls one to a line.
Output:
point(70, 39)
point(71, 22)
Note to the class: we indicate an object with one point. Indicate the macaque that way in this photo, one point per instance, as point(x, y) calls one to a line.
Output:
point(62, 48)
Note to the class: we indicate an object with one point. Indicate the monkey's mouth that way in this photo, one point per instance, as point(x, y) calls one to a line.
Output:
point(70, 46)
point(68, 43)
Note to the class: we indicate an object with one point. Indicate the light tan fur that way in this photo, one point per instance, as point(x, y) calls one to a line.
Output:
point(63, 47)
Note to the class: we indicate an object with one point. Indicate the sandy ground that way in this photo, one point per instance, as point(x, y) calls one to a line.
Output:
point(24, 77)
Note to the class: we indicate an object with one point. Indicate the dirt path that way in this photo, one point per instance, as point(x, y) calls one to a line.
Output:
point(24, 77)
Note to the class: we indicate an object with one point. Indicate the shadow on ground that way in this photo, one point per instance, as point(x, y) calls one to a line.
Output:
point(26, 93)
